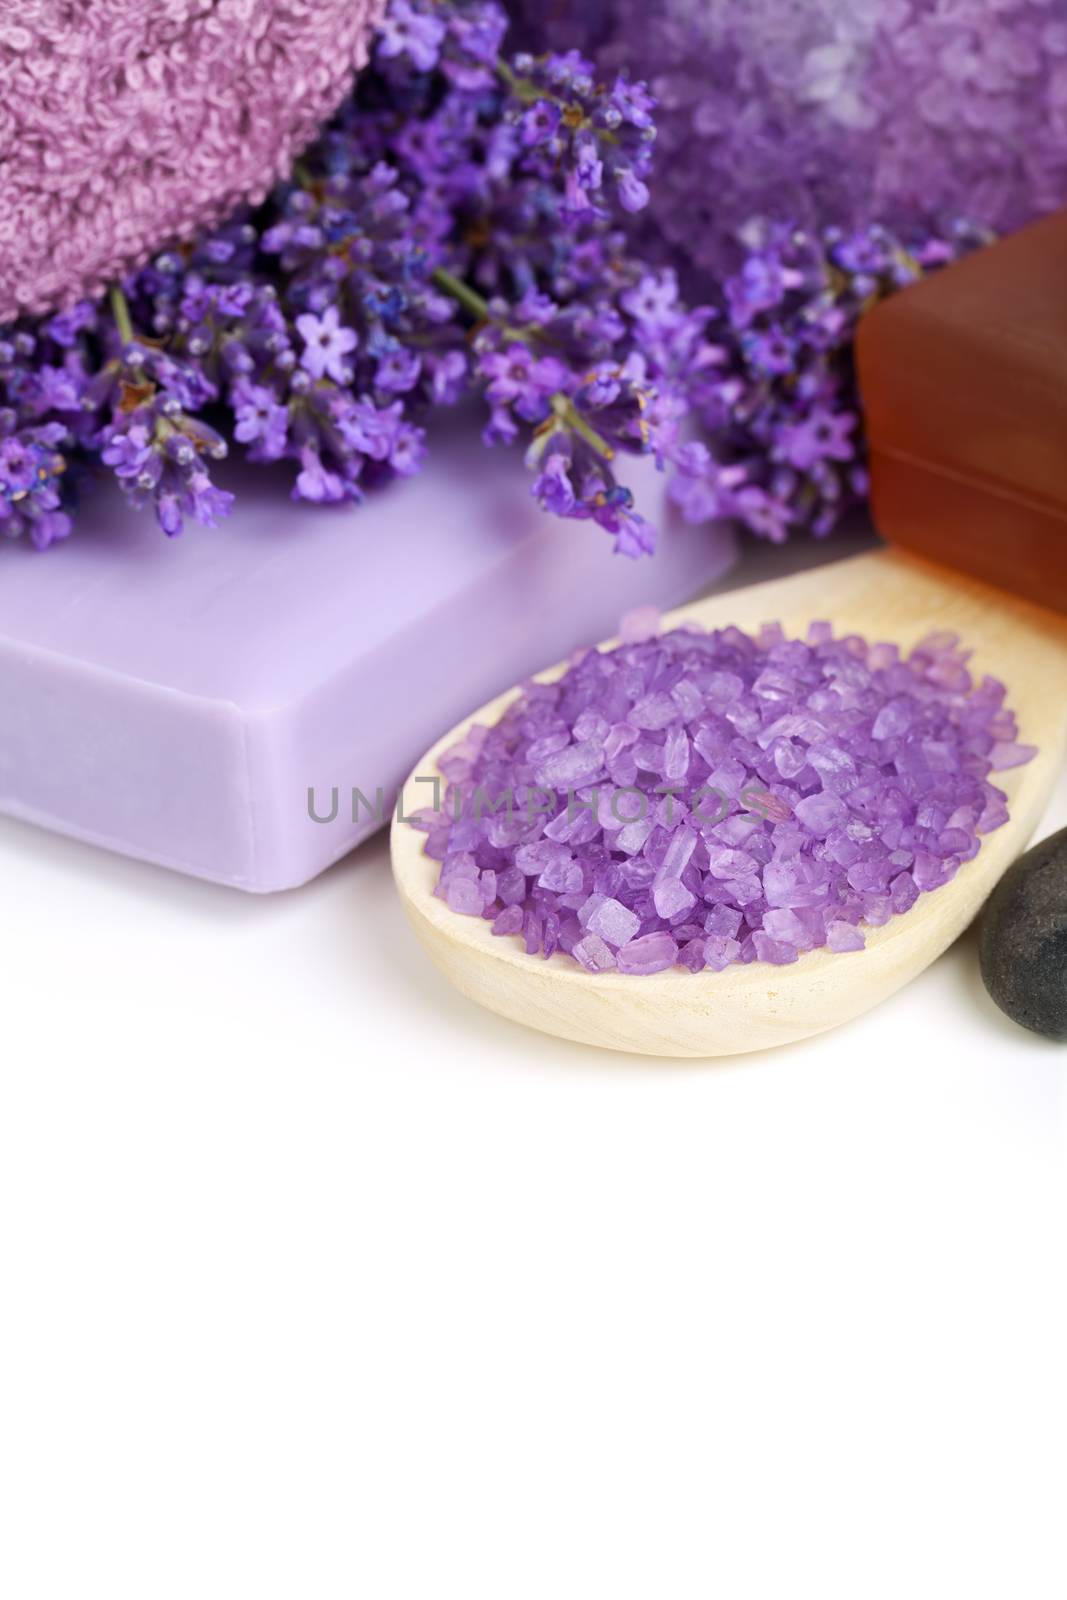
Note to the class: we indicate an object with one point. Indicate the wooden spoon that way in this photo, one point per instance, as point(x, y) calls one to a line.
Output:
point(884, 596)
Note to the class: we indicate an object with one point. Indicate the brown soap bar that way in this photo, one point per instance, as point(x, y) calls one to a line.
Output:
point(964, 383)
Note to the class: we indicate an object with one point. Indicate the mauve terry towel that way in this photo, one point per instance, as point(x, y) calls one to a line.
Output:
point(128, 123)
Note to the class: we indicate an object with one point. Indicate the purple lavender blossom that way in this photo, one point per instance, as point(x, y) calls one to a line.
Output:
point(30, 476)
point(466, 223)
point(777, 398)
point(326, 344)
point(516, 377)
point(260, 421)
point(315, 482)
point(820, 436)
point(414, 33)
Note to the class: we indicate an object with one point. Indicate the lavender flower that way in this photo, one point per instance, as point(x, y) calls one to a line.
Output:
point(601, 137)
point(31, 466)
point(466, 223)
point(776, 394)
point(412, 33)
point(326, 343)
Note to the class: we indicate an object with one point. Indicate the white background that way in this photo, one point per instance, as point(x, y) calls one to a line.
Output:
point(318, 1282)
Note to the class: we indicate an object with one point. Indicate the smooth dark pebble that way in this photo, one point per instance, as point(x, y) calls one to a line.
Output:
point(1023, 941)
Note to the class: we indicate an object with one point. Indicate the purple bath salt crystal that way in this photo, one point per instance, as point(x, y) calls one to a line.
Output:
point(931, 871)
point(563, 875)
point(670, 897)
point(869, 874)
point(688, 698)
point(622, 768)
point(541, 749)
point(994, 814)
point(459, 864)
point(508, 921)
point(743, 891)
point(591, 726)
point(790, 758)
point(531, 931)
point(651, 953)
point(726, 863)
point(821, 813)
point(533, 858)
point(842, 936)
point(615, 923)
point(648, 755)
point(463, 894)
point(436, 846)
point(564, 829)
point(589, 908)
point(781, 884)
point(773, 950)
point(611, 813)
point(723, 920)
point(679, 853)
point(738, 830)
point(877, 909)
point(701, 799)
point(593, 953)
point(675, 754)
point(653, 711)
point(723, 688)
point(784, 925)
point(619, 737)
point(894, 719)
point(691, 955)
point(833, 764)
point(903, 892)
point(511, 886)
point(633, 837)
point(1009, 754)
point(729, 777)
point(578, 763)
point(720, 951)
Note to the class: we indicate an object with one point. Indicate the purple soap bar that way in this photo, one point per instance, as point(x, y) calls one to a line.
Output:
point(176, 700)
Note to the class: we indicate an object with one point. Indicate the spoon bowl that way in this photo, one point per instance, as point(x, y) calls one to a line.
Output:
point(884, 596)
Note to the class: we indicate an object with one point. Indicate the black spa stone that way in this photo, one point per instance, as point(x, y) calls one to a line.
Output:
point(1023, 944)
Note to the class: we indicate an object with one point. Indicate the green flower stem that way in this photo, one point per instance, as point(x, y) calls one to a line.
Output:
point(529, 94)
point(563, 406)
point(524, 91)
point(568, 413)
point(120, 311)
point(468, 298)
point(478, 307)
